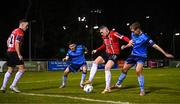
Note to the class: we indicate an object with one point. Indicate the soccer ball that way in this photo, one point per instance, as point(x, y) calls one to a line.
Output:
point(88, 88)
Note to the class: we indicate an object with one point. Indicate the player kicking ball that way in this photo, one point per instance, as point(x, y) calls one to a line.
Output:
point(14, 43)
point(111, 47)
point(140, 42)
point(76, 60)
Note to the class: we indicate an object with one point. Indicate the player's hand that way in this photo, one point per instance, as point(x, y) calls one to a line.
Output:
point(20, 57)
point(131, 43)
point(169, 55)
point(122, 47)
point(64, 59)
point(93, 51)
point(85, 52)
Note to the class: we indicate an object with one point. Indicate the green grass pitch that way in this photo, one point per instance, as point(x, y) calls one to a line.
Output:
point(162, 85)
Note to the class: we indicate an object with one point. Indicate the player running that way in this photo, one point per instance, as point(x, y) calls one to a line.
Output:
point(14, 43)
point(109, 57)
point(76, 61)
point(138, 55)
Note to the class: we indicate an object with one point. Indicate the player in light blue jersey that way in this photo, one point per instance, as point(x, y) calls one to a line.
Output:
point(76, 60)
point(139, 41)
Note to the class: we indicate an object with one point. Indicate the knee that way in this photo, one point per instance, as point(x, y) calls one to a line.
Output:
point(66, 72)
point(138, 73)
point(84, 71)
point(125, 70)
point(107, 68)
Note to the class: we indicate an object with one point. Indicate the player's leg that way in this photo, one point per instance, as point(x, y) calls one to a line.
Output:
point(98, 60)
point(83, 77)
point(11, 63)
point(139, 69)
point(21, 70)
point(6, 78)
point(108, 67)
point(123, 75)
point(64, 78)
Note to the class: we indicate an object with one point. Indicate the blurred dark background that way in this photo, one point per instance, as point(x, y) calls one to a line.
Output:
point(54, 22)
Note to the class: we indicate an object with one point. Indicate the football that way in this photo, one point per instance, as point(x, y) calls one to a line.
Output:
point(88, 88)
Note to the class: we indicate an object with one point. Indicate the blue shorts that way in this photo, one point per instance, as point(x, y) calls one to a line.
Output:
point(76, 67)
point(135, 60)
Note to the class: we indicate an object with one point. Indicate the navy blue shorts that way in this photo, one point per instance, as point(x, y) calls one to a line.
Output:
point(135, 60)
point(76, 67)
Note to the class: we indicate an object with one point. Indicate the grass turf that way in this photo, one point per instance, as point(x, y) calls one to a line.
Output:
point(161, 86)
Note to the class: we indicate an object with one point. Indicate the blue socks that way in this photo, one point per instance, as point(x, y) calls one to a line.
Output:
point(121, 78)
point(141, 82)
point(83, 77)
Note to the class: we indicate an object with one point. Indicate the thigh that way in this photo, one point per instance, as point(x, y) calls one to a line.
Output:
point(21, 68)
point(84, 68)
point(99, 60)
point(66, 71)
point(126, 67)
point(139, 68)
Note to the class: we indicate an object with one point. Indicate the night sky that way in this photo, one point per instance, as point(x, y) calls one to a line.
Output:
point(55, 22)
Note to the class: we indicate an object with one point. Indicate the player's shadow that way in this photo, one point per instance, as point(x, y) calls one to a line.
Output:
point(125, 87)
point(41, 88)
point(162, 90)
point(129, 87)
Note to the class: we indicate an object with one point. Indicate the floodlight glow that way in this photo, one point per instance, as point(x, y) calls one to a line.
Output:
point(177, 34)
point(127, 24)
point(147, 17)
point(96, 27)
point(64, 27)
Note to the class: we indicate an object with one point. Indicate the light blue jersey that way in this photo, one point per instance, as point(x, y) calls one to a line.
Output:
point(141, 42)
point(77, 56)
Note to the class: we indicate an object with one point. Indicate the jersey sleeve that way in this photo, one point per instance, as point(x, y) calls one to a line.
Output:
point(101, 47)
point(120, 36)
point(19, 36)
point(150, 41)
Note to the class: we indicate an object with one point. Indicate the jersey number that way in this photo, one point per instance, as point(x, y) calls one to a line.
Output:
point(11, 41)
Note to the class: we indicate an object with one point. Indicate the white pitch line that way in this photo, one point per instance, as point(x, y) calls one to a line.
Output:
point(76, 98)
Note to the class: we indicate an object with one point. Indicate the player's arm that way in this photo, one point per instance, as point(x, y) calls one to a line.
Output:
point(151, 43)
point(130, 44)
point(103, 46)
point(17, 46)
point(65, 59)
point(122, 37)
point(162, 51)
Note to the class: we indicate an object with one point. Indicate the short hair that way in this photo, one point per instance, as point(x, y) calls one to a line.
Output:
point(102, 27)
point(71, 42)
point(135, 25)
point(23, 20)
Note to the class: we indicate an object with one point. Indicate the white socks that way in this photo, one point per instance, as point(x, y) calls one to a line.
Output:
point(93, 71)
point(6, 78)
point(16, 79)
point(108, 79)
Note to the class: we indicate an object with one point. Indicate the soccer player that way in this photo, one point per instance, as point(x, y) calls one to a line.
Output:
point(14, 44)
point(140, 42)
point(109, 57)
point(76, 60)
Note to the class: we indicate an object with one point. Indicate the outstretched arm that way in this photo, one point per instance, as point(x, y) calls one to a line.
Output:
point(130, 44)
point(162, 51)
point(99, 49)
